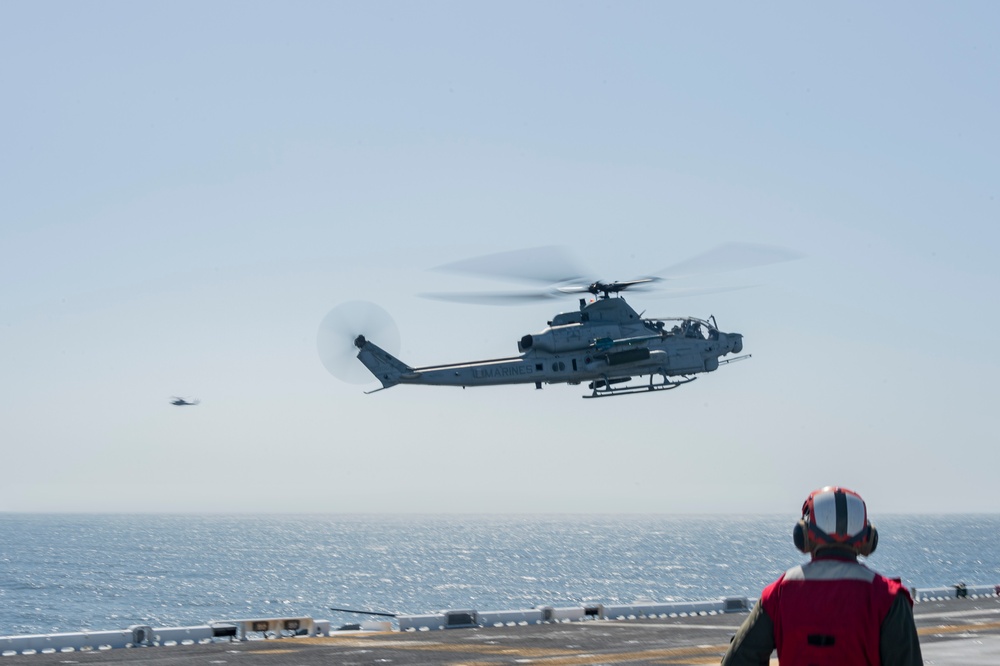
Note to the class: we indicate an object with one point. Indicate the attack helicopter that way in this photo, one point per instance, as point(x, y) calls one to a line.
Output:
point(184, 402)
point(605, 343)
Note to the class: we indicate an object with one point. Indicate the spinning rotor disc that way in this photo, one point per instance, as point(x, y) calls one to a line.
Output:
point(555, 273)
point(341, 326)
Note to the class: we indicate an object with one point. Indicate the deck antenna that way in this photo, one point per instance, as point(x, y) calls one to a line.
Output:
point(364, 612)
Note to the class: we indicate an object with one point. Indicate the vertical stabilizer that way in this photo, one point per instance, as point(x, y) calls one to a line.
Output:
point(387, 368)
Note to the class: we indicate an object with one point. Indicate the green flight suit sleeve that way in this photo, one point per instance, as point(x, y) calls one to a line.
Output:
point(898, 641)
point(754, 641)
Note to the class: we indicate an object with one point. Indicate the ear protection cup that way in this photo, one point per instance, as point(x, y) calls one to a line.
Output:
point(871, 543)
point(800, 536)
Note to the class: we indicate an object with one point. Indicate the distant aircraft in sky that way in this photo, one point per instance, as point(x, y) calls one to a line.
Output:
point(181, 402)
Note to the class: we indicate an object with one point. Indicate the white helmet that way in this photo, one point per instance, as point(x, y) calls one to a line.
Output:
point(835, 516)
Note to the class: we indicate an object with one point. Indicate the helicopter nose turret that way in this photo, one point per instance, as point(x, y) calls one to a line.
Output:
point(737, 342)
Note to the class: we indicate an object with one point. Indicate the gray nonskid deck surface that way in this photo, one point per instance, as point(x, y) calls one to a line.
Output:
point(952, 633)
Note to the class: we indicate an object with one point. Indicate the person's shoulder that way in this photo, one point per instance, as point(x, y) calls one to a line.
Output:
point(791, 574)
point(894, 586)
point(798, 572)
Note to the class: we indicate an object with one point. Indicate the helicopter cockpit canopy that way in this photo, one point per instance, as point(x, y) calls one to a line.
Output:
point(687, 327)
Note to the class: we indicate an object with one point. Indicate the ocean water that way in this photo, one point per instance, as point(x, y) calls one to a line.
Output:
point(79, 572)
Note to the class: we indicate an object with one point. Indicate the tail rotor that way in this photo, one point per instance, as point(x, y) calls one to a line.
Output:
point(339, 332)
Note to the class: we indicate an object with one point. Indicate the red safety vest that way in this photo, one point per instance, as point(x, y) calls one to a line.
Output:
point(829, 612)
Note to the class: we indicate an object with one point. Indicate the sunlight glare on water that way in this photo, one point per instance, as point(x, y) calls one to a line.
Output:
point(73, 572)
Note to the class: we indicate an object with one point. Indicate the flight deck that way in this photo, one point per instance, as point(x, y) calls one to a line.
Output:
point(953, 632)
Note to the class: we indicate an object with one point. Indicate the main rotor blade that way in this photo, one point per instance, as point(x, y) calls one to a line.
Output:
point(557, 273)
point(550, 264)
point(681, 292)
point(636, 284)
point(729, 257)
point(493, 297)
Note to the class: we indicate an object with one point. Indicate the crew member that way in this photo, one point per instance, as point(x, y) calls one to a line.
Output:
point(833, 610)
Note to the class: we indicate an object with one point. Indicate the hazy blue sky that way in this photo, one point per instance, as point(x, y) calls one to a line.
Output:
point(188, 188)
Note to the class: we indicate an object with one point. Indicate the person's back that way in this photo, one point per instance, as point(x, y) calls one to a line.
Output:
point(832, 611)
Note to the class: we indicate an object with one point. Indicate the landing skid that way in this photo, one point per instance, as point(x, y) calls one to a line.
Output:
point(607, 389)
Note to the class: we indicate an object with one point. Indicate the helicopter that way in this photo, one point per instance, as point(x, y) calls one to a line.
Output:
point(605, 344)
point(184, 402)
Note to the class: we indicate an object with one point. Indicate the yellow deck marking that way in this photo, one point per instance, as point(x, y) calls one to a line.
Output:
point(954, 629)
point(704, 654)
